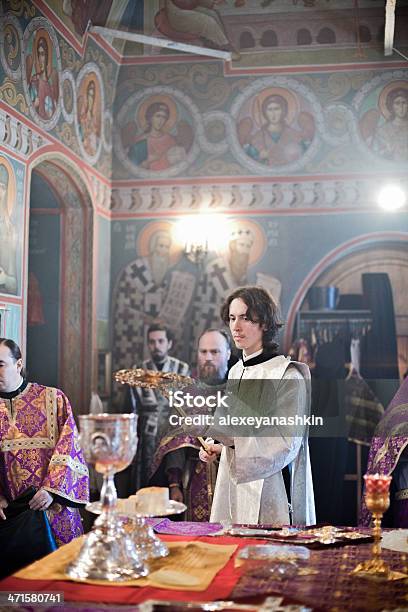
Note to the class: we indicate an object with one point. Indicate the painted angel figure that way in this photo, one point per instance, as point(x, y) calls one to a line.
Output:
point(276, 142)
point(162, 142)
point(42, 77)
point(386, 129)
point(89, 119)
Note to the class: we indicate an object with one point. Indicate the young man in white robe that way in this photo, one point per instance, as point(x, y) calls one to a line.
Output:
point(250, 487)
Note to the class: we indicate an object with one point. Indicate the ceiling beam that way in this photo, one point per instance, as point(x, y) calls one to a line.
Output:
point(160, 42)
point(389, 27)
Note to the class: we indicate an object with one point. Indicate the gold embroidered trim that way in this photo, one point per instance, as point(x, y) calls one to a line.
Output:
point(403, 494)
point(66, 460)
point(25, 443)
point(51, 406)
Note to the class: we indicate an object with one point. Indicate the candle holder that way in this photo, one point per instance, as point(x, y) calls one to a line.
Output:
point(377, 498)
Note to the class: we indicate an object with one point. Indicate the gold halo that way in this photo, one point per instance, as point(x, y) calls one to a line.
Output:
point(152, 228)
point(289, 96)
point(259, 246)
point(141, 111)
point(11, 195)
point(382, 98)
point(41, 33)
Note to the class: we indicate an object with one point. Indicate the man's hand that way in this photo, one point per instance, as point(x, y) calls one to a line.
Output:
point(210, 453)
point(3, 504)
point(41, 500)
point(176, 494)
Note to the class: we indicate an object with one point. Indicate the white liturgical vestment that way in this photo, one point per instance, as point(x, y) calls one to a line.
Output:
point(250, 486)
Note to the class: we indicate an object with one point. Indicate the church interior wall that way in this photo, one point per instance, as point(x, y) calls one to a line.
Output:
point(61, 127)
point(296, 205)
point(291, 202)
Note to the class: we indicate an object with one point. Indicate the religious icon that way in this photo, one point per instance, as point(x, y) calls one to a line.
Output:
point(282, 132)
point(159, 139)
point(11, 47)
point(42, 76)
point(385, 128)
point(8, 233)
point(89, 113)
point(142, 289)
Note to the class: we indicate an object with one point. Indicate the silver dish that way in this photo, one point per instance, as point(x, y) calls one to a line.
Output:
point(174, 507)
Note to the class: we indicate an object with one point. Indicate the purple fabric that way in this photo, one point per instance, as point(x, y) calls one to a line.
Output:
point(401, 513)
point(170, 444)
point(196, 495)
point(40, 448)
point(186, 528)
point(391, 437)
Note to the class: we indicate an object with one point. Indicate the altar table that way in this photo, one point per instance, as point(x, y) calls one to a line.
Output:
point(327, 585)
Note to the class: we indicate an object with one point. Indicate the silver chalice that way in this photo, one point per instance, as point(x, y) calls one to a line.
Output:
point(109, 442)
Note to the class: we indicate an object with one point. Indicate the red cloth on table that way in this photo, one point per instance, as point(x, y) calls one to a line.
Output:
point(220, 588)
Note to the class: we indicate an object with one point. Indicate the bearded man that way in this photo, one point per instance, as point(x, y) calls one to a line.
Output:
point(176, 463)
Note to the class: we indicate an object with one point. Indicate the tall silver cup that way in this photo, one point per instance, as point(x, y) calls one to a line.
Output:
point(109, 442)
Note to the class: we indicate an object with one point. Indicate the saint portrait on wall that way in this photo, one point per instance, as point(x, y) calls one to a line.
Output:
point(141, 290)
point(158, 139)
point(9, 281)
point(42, 75)
point(234, 266)
point(90, 113)
point(385, 128)
point(273, 127)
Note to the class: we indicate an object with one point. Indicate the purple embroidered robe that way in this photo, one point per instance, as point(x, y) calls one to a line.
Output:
point(389, 441)
point(198, 491)
point(39, 447)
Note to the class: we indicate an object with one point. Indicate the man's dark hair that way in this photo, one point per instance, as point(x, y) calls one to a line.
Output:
point(159, 327)
point(14, 350)
point(223, 333)
point(261, 309)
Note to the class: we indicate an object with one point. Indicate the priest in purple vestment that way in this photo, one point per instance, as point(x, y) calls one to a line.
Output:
point(176, 463)
point(389, 455)
point(39, 448)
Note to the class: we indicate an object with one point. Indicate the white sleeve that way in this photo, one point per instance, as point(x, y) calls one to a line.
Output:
point(268, 452)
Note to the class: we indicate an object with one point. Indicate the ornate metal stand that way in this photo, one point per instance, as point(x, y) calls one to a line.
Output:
point(377, 497)
point(145, 541)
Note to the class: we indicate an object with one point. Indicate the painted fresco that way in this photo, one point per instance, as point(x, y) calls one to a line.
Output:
point(220, 126)
point(42, 70)
point(156, 132)
point(11, 38)
point(261, 249)
point(43, 78)
point(12, 220)
point(90, 111)
point(384, 126)
point(143, 285)
point(276, 126)
point(163, 286)
point(75, 14)
point(10, 321)
point(271, 32)
point(194, 21)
